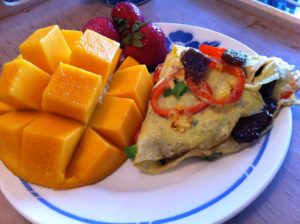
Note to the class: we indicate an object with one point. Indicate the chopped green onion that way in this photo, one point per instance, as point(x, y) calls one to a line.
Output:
point(131, 151)
point(179, 89)
point(214, 155)
point(168, 92)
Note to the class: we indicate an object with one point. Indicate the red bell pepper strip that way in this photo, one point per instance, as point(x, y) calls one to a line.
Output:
point(235, 93)
point(156, 74)
point(214, 52)
point(165, 112)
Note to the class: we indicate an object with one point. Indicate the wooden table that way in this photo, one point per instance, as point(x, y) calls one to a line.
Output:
point(280, 202)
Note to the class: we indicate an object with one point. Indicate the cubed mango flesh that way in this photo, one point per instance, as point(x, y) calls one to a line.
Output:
point(45, 48)
point(22, 84)
point(11, 127)
point(72, 92)
point(117, 119)
point(4, 108)
point(94, 159)
point(135, 83)
point(48, 145)
point(96, 53)
point(71, 36)
point(128, 62)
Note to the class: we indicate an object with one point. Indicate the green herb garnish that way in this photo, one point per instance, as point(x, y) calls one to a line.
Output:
point(168, 92)
point(179, 89)
point(214, 155)
point(131, 151)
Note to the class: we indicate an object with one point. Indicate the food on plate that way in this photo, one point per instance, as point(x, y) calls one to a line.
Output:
point(71, 36)
point(40, 48)
point(117, 119)
point(128, 62)
point(58, 126)
point(4, 108)
point(72, 92)
point(211, 102)
point(143, 41)
point(96, 53)
point(134, 82)
point(22, 84)
point(146, 43)
point(103, 26)
point(126, 14)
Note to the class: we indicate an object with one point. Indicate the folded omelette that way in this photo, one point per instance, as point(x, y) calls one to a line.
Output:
point(204, 105)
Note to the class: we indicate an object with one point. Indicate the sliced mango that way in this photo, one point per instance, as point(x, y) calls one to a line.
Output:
point(48, 145)
point(72, 92)
point(11, 127)
point(128, 62)
point(94, 159)
point(117, 119)
point(45, 48)
point(135, 83)
point(22, 84)
point(4, 108)
point(71, 36)
point(96, 53)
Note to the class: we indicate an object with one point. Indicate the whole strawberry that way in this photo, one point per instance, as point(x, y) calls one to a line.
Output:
point(125, 14)
point(104, 26)
point(146, 43)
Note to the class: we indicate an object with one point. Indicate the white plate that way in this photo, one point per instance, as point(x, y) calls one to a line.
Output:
point(195, 192)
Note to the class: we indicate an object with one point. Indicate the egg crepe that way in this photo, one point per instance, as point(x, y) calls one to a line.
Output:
point(164, 142)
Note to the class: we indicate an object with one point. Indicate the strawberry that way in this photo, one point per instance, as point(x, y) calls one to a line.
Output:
point(125, 14)
point(146, 43)
point(104, 26)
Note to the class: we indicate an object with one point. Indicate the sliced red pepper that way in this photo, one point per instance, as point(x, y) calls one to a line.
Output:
point(215, 52)
point(165, 112)
point(286, 94)
point(156, 74)
point(201, 90)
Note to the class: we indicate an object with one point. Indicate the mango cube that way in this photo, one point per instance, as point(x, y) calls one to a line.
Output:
point(96, 53)
point(135, 83)
point(94, 159)
point(45, 48)
point(22, 84)
point(71, 36)
point(48, 145)
point(11, 127)
point(117, 119)
point(128, 62)
point(4, 108)
point(72, 92)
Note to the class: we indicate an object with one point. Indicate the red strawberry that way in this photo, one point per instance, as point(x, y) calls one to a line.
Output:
point(104, 26)
point(146, 44)
point(125, 14)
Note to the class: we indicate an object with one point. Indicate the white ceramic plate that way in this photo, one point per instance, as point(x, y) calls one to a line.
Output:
point(195, 192)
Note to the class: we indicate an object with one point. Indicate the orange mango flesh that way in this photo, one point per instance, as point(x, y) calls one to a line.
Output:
point(128, 62)
point(96, 53)
point(72, 92)
point(4, 108)
point(22, 84)
point(11, 127)
point(133, 82)
point(117, 119)
point(45, 48)
point(71, 36)
point(51, 150)
point(48, 145)
point(94, 159)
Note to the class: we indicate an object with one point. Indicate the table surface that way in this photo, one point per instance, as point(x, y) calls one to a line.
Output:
point(280, 202)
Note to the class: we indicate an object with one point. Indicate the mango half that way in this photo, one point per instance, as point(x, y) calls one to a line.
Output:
point(55, 128)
